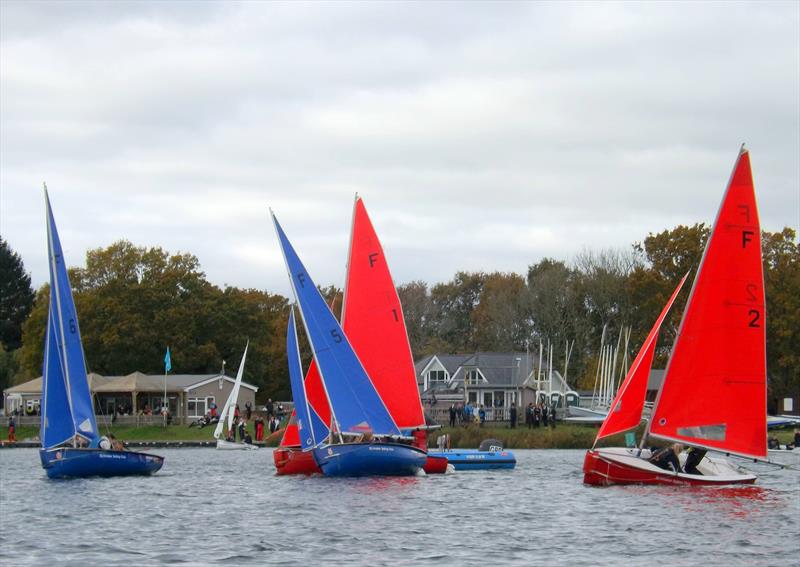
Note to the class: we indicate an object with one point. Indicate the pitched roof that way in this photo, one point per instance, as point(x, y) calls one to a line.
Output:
point(499, 368)
point(135, 381)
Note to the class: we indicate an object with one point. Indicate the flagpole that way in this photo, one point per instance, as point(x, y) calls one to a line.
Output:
point(165, 407)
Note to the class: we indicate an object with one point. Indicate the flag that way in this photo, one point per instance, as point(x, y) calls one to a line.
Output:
point(167, 362)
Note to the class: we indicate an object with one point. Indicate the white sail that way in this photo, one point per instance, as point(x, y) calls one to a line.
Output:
point(230, 403)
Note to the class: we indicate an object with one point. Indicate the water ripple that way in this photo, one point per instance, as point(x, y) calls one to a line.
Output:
point(207, 507)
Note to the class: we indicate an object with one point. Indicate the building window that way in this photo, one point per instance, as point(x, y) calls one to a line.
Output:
point(473, 377)
point(437, 376)
point(198, 407)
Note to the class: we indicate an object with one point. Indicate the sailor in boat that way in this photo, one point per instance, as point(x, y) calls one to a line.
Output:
point(668, 457)
point(693, 458)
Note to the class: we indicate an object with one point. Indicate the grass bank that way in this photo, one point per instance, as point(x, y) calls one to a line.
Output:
point(564, 436)
point(144, 433)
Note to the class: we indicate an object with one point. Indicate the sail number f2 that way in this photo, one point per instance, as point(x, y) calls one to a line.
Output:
point(755, 316)
point(72, 327)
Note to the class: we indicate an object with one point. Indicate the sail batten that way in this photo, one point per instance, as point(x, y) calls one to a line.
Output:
point(716, 374)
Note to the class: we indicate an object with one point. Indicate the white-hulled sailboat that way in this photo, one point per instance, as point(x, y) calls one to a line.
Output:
point(713, 396)
point(227, 414)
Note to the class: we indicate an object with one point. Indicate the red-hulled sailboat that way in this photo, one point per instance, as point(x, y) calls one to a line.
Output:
point(713, 396)
point(372, 319)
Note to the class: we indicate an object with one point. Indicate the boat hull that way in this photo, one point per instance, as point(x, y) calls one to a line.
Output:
point(370, 459)
point(471, 459)
point(233, 446)
point(68, 462)
point(435, 465)
point(616, 465)
point(292, 460)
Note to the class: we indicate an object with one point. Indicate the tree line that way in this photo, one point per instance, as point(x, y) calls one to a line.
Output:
point(134, 301)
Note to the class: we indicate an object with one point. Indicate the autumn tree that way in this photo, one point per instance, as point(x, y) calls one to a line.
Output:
point(781, 252)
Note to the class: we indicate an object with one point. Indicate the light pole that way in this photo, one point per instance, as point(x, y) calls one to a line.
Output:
point(516, 384)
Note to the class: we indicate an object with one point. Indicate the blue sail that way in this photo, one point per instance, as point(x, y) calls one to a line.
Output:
point(57, 426)
point(310, 427)
point(63, 325)
point(355, 403)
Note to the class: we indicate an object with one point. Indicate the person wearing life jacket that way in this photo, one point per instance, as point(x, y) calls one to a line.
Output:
point(693, 458)
point(667, 457)
point(420, 439)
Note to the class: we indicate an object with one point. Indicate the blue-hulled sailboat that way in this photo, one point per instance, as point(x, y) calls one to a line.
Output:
point(71, 443)
point(362, 437)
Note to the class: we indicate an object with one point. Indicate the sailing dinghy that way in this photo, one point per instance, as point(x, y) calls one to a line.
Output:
point(71, 443)
point(372, 319)
point(358, 413)
point(227, 414)
point(713, 396)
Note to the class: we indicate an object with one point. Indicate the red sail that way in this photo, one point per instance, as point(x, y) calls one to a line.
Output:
point(373, 321)
point(626, 412)
point(714, 389)
point(316, 399)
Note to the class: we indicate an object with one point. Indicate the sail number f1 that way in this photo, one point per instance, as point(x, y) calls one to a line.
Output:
point(337, 337)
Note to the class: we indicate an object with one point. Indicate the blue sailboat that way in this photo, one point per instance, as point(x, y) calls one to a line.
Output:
point(375, 445)
point(71, 443)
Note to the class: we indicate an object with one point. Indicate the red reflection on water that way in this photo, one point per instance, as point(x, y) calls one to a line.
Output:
point(382, 483)
point(735, 501)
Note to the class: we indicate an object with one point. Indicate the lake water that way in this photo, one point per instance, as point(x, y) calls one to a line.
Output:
point(207, 507)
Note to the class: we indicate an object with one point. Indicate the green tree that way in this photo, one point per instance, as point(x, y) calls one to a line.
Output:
point(502, 321)
point(133, 302)
point(16, 297)
point(452, 305)
point(781, 252)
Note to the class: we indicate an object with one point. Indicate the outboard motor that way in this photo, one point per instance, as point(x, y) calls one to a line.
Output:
point(491, 445)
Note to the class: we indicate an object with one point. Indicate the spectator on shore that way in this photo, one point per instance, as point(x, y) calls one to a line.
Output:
point(452, 412)
point(537, 416)
point(529, 415)
point(512, 415)
point(12, 430)
point(553, 416)
point(544, 415)
point(269, 408)
point(259, 425)
point(248, 410)
point(242, 428)
point(796, 438)
point(481, 416)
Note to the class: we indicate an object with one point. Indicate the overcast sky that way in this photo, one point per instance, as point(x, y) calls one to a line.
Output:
point(481, 136)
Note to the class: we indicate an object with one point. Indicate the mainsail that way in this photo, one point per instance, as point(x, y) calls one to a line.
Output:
point(626, 409)
point(230, 403)
point(372, 319)
point(310, 430)
point(68, 408)
point(714, 389)
point(355, 404)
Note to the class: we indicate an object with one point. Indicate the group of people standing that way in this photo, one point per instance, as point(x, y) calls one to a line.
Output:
point(535, 415)
point(540, 414)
